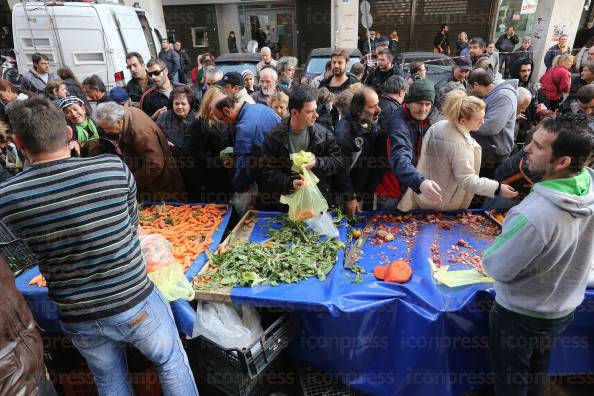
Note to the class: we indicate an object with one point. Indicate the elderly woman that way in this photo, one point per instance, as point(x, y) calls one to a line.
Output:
point(145, 150)
point(175, 123)
point(211, 143)
point(452, 158)
point(83, 127)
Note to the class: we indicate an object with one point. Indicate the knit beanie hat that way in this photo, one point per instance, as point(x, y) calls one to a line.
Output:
point(420, 90)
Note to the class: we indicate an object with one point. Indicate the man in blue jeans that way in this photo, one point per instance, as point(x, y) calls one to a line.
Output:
point(542, 259)
point(79, 216)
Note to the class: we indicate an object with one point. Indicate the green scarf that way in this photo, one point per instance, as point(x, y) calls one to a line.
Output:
point(86, 131)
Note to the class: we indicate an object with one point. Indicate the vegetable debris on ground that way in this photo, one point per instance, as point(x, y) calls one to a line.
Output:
point(291, 254)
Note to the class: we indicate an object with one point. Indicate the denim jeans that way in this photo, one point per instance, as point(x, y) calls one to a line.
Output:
point(174, 77)
point(150, 328)
point(520, 349)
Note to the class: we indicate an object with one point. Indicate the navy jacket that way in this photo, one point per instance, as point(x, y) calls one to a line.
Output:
point(406, 136)
point(253, 123)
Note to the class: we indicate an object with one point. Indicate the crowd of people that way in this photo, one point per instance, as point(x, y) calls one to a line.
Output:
point(379, 138)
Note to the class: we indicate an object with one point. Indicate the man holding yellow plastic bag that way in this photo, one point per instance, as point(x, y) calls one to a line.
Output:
point(296, 153)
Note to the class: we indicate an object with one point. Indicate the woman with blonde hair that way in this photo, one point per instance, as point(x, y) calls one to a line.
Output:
point(556, 82)
point(279, 102)
point(452, 158)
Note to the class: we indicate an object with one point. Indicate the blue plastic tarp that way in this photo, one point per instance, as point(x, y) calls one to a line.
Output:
point(417, 338)
point(46, 314)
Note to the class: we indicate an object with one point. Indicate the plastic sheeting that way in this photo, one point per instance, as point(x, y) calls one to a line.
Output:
point(46, 314)
point(417, 338)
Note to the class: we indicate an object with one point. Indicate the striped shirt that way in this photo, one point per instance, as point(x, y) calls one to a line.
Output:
point(79, 216)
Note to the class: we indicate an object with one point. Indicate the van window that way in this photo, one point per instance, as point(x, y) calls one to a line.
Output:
point(85, 58)
point(35, 42)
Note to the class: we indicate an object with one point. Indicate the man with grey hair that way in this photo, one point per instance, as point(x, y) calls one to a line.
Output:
point(155, 100)
point(83, 230)
point(285, 68)
point(145, 150)
point(211, 77)
point(266, 61)
point(268, 86)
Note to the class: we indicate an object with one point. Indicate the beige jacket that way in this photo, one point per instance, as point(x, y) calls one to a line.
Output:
point(451, 158)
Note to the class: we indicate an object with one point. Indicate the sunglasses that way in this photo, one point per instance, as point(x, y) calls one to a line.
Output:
point(154, 73)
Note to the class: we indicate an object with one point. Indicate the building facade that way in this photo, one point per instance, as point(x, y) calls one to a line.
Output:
point(289, 27)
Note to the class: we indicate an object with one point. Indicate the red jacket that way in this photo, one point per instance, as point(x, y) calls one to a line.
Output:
point(555, 82)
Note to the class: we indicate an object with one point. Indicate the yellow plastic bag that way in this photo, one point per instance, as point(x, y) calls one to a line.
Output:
point(299, 159)
point(458, 278)
point(165, 272)
point(308, 201)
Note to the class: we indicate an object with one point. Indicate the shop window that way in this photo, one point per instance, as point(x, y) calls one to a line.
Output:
point(200, 37)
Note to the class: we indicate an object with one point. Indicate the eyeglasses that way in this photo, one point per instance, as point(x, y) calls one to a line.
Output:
point(154, 73)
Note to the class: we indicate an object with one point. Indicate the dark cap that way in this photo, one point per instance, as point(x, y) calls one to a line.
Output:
point(118, 95)
point(233, 78)
point(420, 90)
point(464, 63)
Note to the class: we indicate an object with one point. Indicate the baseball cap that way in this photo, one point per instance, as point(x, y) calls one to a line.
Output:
point(233, 78)
point(118, 95)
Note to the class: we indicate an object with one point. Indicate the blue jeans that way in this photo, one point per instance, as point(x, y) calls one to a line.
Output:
point(174, 78)
point(520, 349)
point(150, 328)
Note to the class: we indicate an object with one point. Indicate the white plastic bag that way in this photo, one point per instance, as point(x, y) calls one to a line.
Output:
point(222, 324)
point(322, 224)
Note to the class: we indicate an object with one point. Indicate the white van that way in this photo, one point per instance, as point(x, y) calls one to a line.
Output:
point(89, 37)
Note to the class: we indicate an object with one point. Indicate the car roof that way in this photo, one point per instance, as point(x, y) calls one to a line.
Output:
point(239, 57)
point(423, 54)
point(325, 52)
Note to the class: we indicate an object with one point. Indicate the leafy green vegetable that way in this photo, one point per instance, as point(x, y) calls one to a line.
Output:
point(357, 270)
point(292, 253)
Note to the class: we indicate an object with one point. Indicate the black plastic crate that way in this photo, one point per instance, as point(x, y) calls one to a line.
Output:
point(17, 253)
point(238, 371)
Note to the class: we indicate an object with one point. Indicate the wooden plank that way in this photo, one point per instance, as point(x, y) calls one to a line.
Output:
point(240, 232)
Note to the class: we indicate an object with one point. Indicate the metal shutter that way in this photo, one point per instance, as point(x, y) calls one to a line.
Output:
point(471, 16)
point(313, 26)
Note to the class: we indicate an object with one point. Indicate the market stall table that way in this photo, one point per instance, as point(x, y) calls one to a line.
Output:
point(416, 338)
point(46, 314)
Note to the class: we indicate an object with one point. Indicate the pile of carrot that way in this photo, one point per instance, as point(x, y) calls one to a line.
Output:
point(189, 229)
point(38, 280)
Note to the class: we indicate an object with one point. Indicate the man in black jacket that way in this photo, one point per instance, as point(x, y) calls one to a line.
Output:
point(340, 80)
point(297, 132)
point(521, 70)
point(385, 69)
point(140, 81)
point(185, 63)
point(441, 42)
point(155, 100)
point(505, 45)
point(364, 151)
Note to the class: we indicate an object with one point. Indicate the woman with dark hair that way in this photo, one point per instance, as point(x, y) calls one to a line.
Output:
point(232, 42)
point(73, 86)
point(175, 124)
